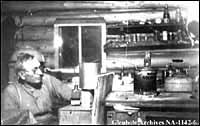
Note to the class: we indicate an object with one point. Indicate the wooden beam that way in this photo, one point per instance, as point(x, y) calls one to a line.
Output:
point(34, 21)
point(48, 19)
point(74, 5)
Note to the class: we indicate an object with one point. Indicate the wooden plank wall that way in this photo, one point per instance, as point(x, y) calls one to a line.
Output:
point(37, 35)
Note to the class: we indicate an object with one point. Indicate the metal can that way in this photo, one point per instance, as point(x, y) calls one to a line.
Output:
point(145, 80)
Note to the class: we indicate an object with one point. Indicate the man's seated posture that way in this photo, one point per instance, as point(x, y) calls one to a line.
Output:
point(34, 90)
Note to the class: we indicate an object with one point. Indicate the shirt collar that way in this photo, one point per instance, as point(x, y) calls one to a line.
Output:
point(28, 88)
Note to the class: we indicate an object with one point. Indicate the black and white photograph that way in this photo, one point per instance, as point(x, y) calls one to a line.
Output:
point(99, 62)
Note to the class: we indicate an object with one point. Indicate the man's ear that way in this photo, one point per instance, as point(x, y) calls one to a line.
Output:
point(22, 75)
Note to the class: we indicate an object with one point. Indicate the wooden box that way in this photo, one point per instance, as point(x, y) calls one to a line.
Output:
point(121, 118)
point(75, 115)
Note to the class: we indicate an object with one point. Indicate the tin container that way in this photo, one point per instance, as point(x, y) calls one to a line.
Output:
point(88, 75)
point(86, 98)
point(178, 83)
point(145, 80)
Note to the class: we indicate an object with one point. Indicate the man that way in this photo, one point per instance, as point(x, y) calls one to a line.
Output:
point(34, 90)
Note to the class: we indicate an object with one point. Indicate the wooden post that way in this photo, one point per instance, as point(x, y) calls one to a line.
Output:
point(104, 86)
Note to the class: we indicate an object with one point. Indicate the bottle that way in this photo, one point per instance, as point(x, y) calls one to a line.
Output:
point(156, 35)
point(179, 34)
point(147, 59)
point(139, 119)
point(76, 96)
point(166, 16)
point(170, 70)
point(178, 16)
point(138, 37)
point(134, 38)
point(165, 35)
point(170, 36)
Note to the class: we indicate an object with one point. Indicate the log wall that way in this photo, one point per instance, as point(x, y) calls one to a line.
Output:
point(37, 33)
point(38, 30)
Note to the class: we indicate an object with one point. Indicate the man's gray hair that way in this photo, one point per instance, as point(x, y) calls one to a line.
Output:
point(21, 58)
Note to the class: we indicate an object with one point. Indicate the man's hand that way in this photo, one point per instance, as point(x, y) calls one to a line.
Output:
point(63, 70)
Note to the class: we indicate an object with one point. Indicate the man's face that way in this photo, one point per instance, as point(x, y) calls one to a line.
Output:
point(32, 73)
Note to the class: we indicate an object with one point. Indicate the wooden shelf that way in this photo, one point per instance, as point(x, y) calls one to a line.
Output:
point(142, 28)
point(148, 47)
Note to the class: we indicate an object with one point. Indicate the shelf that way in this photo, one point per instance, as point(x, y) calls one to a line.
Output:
point(133, 40)
point(148, 47)
point(142, 28)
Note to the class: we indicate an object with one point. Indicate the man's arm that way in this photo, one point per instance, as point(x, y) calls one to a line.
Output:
point(61, 90)
point(10, 98)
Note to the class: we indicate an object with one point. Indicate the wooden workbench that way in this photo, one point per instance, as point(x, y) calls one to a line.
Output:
point(165, 105)
point(162, 100)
